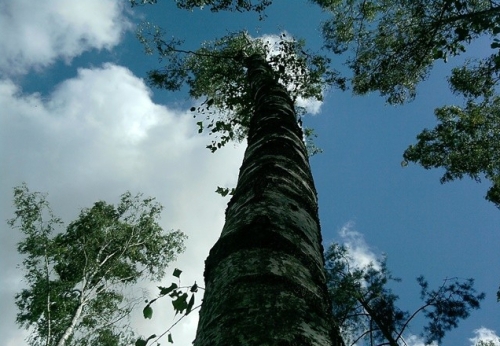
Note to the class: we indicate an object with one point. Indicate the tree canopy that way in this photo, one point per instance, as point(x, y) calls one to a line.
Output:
point(216, 73)
point(215, 5)
point(76, 277)
point(393, 45)
point(390, 47)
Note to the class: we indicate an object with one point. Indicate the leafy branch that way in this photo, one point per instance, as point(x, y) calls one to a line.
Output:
point(216, 73)
point(365, 307)
point(179, 296)
point(74, 277)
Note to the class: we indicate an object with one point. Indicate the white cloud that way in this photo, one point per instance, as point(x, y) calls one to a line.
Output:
point(94, 137)
point(485, 335)
point(36, 33)
point(359, 251)
point(311, 105)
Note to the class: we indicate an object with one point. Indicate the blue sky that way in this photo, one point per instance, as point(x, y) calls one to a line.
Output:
point(78, 122)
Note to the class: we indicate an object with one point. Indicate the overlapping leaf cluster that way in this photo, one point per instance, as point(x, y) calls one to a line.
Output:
point(393, 45)
point(179, 295)
point(75, 278)
point(362, 305)
point(216, 73)
point(466, 141)
point(216, 5)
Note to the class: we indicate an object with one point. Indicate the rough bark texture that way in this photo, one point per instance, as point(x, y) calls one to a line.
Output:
point(264, 278)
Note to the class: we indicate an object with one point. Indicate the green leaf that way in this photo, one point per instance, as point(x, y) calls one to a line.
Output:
point(141, 342)
point(148, 312)
point(177, 272)
point(495, 45)
point(223, 191)
point(462, 33)
point(169, 338)
point(200, 126)
point(180, 304)
point(194, 288)
point(438, 54)
point(496, 60)
point(167, 290)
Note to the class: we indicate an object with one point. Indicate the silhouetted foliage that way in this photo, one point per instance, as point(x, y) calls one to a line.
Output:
point(393, 46)
point(215, 73)
point(216, 5)
point(365, 307)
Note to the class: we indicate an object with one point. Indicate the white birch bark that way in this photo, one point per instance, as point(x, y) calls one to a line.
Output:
point(71, 328)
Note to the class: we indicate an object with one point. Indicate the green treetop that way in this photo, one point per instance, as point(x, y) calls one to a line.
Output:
point(76, 277)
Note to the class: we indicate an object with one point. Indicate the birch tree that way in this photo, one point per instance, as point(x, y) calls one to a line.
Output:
point(76, 278)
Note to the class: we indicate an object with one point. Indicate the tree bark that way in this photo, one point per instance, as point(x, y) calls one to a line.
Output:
point(71, 328)
point(264, 278)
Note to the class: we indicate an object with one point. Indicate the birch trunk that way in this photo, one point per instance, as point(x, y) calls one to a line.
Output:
point(264, 278)
point(71, 329)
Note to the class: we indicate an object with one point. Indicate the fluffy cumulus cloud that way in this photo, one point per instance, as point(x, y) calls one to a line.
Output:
point(487, 336)
point(36, 33)
point(360, 252)
point(94, 137)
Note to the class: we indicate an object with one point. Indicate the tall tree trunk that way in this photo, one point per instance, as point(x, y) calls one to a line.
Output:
point(264, 278)
point(71, 328)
